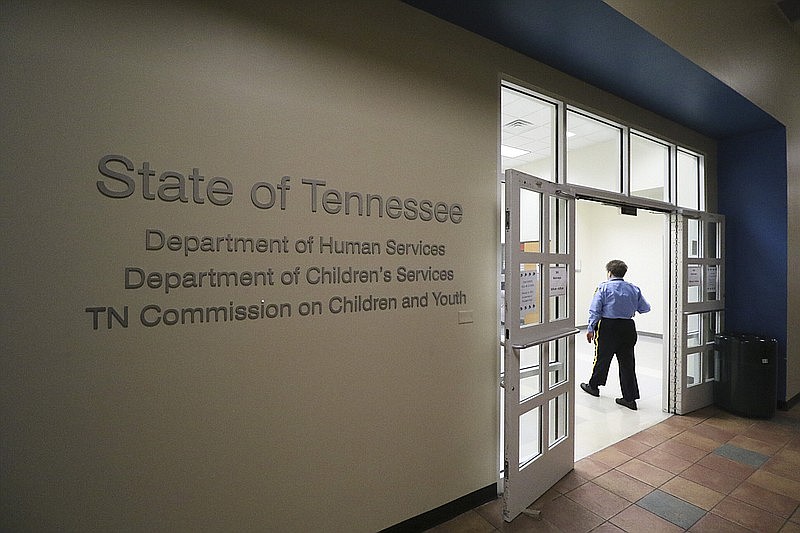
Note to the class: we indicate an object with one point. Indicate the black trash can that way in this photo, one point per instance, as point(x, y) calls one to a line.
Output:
point(746, 382)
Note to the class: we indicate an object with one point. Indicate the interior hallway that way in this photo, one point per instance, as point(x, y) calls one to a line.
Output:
point(708, 471)
point(600, 422)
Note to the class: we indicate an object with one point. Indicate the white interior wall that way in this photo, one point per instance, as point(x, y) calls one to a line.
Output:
point(603, 234)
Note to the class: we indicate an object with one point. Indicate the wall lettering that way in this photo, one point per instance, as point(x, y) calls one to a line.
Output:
point(412, 274)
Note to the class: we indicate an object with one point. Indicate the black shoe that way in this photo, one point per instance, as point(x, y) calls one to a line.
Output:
point(588, 389)
point(630, 404)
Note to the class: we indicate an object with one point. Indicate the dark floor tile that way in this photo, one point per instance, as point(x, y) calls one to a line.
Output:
point(635, 519)
point(726, 466)
point(670, 508)
point(694, 493)
point(742, 455)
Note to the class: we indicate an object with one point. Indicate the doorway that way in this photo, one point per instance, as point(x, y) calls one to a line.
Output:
point(602, 233)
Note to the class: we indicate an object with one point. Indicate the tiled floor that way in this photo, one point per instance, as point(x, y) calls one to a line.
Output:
point(599, 422)
point(708, 471)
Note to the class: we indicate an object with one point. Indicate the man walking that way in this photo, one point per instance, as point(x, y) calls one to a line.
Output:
point(613, 331)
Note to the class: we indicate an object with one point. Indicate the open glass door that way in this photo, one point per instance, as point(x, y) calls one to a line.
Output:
point(698, 264)
point(539, 347)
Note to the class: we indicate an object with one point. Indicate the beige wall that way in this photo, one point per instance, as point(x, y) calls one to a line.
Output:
point(750, 46)
point(357, 421)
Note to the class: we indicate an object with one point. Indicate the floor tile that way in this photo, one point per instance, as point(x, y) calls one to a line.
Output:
point(682, 422)
point(526, 524)
point(670, 508)
point(790, 454)
point(747, 516)
point(709, 431)
point(710, 478)
point(589, 469)
point(652, 475)
point(492, 512)
point(726, 466)
point(650, 438)
point(470, 521)
point(790, 527)
point(693, 493)
point(634, 519)
point(599, 500)
point(730, 423)
point(569, 482)
point(610, 456)
point(696, 440)
point(665, 461)
point(667, 430)
point(775, 483)
point(624, 485)
point(607, 527)
point(567, 515)
point(712, 523)
point(681, 450)
point(742, 455)
point(783, 465)
point(749, 482)
point(777, 504)
point(631, 447)
point(755, 445)
point(770, 433)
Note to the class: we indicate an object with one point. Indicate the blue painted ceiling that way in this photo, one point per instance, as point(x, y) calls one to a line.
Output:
point(591, 41)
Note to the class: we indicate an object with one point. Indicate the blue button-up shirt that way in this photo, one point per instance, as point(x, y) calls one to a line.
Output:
point(616, 298)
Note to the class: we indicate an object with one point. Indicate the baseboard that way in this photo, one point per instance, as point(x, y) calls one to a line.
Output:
point(791, 402)
point(446, 512)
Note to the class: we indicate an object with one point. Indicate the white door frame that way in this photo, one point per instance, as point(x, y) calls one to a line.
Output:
point(697, 307)
point(539, 346)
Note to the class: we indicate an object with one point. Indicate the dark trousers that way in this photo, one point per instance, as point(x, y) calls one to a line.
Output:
point(616, 336)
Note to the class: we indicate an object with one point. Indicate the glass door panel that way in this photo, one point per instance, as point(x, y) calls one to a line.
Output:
point(698, 255)
point(538, 403)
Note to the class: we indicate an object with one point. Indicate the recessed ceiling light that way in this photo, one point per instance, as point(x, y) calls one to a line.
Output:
point(510, 151)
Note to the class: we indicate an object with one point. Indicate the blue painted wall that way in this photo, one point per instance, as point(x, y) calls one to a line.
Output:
point(752, 196)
